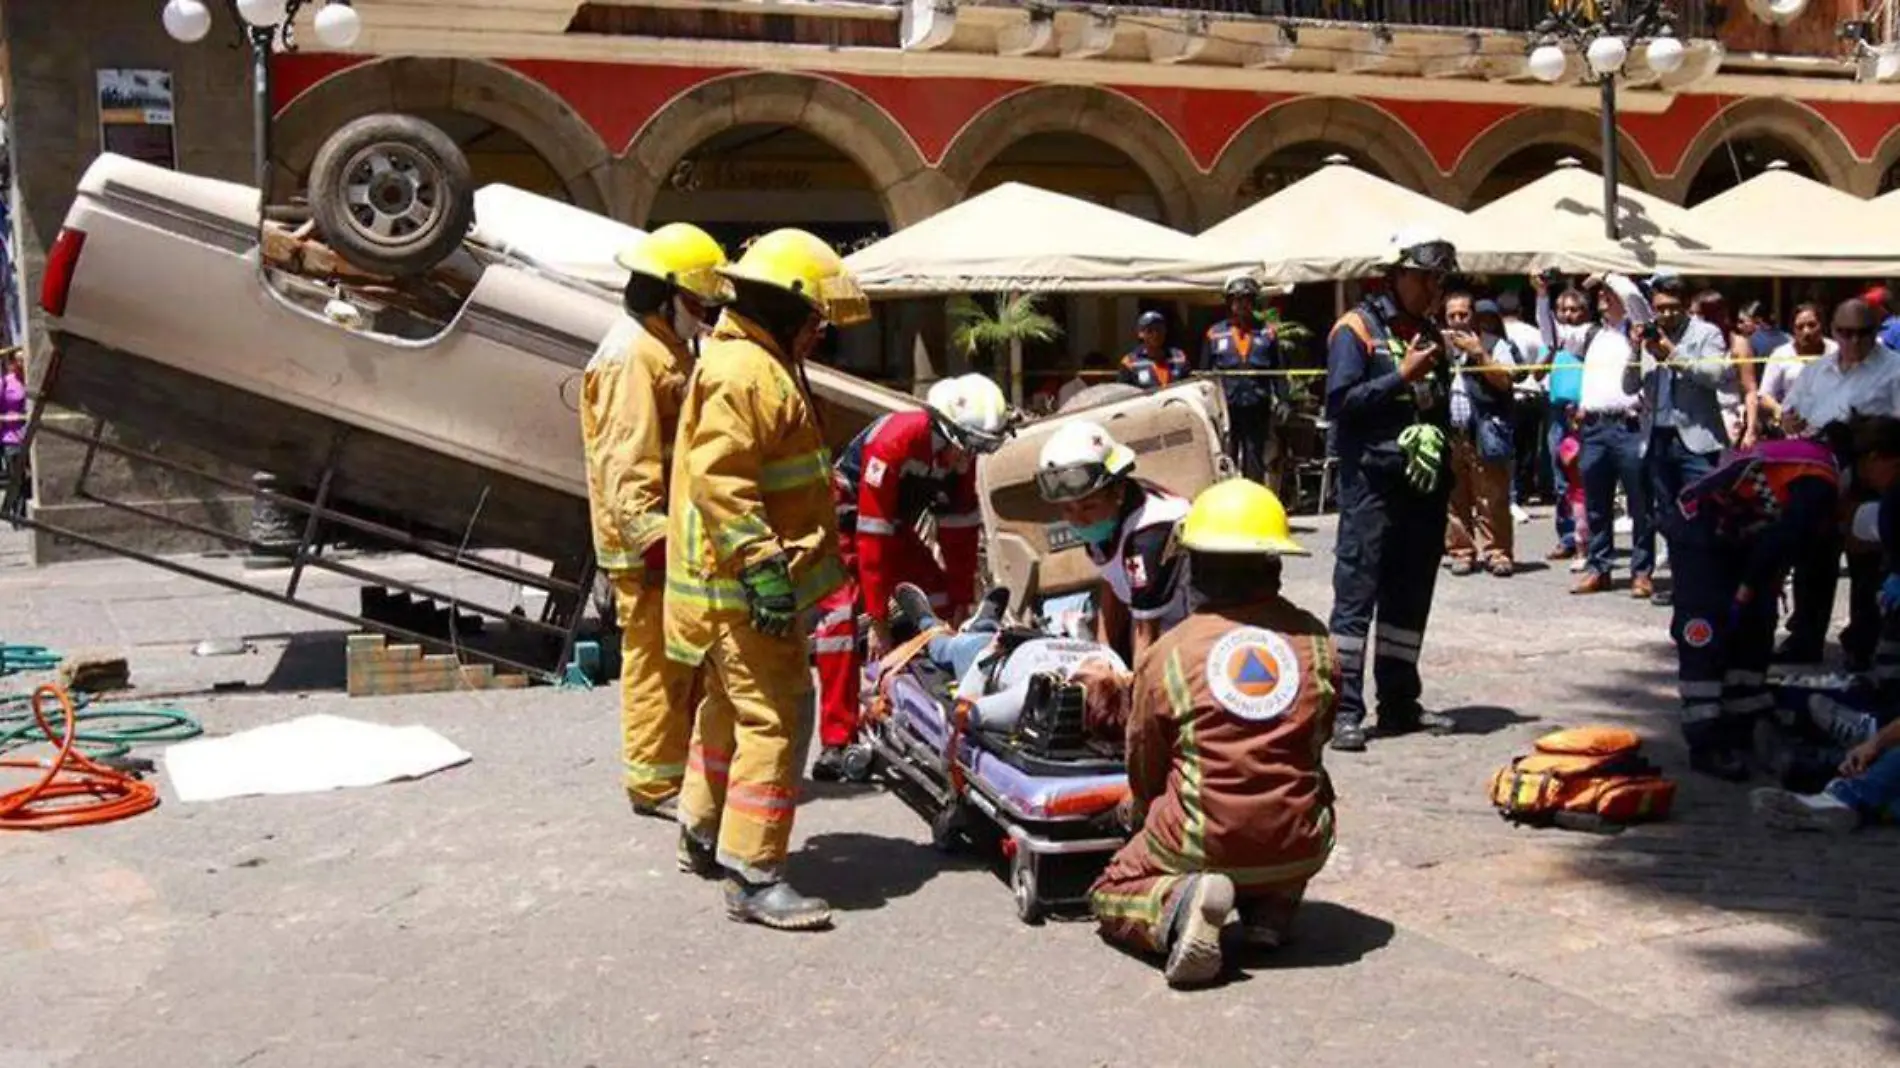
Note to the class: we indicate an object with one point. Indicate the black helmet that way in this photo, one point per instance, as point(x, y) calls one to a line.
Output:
point(1241, 285)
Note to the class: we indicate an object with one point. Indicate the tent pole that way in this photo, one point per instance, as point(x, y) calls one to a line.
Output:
point(1015, 365)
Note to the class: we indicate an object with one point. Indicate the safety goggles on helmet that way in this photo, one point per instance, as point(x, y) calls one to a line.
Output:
point(1438, 257)
point(971, 439)
point(1243, 286)
point(1072, 482)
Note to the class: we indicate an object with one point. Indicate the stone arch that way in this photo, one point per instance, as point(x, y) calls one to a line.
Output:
point(1100, 114)
point(1581, 130)
point(489, 91)
point(1800, 127)
point(1341, 120)
point(1874, 173)
point(826, 109)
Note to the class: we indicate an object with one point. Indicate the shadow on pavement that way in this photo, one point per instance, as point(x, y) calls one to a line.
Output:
point(860, 872)
point(311, 661)
point(1486, 719)
point(1325, 935)
point(1799, 924)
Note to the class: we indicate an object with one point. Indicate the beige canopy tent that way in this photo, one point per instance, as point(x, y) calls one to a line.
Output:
point(1334, 223)
point(1019, 239)
point(1779, 224)
point(1557, 221)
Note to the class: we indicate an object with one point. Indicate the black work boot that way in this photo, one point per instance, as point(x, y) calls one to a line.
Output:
point(1395, 724)
point(829, 767)
point(1349, 737)
point(775, 905)
point(1194, 956)
point(667, 808)
point(910, 612)
point(989, 611)
point(696, 858)
point(1720, 762)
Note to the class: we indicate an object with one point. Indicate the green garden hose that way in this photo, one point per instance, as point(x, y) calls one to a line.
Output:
point(104, 732)
point(14, 658)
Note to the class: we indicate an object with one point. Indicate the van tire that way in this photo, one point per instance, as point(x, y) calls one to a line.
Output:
point(1099, 394)
point(392, 194)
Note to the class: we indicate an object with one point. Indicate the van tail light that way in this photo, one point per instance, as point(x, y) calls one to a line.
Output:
point(60, 265)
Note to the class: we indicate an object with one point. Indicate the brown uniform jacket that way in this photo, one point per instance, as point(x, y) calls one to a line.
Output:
point(1231, 711)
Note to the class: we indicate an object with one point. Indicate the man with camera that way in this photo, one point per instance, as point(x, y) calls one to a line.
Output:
point(1681, 400)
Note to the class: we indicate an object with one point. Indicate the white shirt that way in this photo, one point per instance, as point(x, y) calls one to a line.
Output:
point(1069, 389)
point(1824, 394)
point(1530, 345)
point(1785, 365)
point(1608, 386)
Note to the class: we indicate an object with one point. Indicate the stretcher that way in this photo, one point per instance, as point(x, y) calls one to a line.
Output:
point(1052, 818)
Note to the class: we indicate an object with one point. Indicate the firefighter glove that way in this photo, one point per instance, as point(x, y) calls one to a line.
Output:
point(1424, 448)
point(769, 598)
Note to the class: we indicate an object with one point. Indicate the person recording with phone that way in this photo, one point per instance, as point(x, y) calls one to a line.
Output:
point(1611, 430)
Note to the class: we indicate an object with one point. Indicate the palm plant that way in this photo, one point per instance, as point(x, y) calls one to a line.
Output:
point(1017, 318)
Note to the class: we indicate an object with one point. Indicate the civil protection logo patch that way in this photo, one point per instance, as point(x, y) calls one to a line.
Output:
point(1698, 633)
point(1254, 673)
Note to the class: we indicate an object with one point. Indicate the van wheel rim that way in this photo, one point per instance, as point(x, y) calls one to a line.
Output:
point(394, 193)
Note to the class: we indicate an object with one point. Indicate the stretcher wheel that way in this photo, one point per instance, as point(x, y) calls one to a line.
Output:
point(1022, 882)
point(946, 828)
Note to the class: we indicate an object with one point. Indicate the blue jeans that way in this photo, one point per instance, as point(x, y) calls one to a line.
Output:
point(1612, 456)
point(958, 651)
point(1672, 469)
point(1566, 523)
point(1876, 791)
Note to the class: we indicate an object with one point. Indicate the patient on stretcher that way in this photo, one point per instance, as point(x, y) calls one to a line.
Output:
point(999, 671)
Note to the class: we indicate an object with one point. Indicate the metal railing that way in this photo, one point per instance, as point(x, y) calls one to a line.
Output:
point(1694, 18)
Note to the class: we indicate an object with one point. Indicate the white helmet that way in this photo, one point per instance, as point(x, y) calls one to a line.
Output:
point(1421, 248)
point(971, 410)
point(1081, 458)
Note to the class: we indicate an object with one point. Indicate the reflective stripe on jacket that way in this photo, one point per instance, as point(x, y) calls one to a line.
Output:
point(754, 481)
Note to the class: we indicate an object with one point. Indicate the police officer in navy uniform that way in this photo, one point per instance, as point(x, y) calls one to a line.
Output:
point(1388, 385)
point(1153, 364)
point(1243, 343)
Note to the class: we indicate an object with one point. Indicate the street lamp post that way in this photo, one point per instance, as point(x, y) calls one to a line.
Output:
point(1605, 31)
point(262, 24)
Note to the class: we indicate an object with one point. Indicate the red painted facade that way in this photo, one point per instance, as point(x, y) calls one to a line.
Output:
point(617, 100)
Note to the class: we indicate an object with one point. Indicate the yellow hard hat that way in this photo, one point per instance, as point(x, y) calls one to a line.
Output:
point(682, 255)
point(801, 264)
point(1239, 516)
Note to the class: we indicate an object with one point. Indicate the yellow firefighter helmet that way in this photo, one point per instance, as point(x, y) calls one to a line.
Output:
point(683, 255)
point(803, 265)
point(1239, 516)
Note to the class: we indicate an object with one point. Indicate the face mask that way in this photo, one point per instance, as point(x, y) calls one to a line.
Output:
point(686, 326)
point(1100, 532)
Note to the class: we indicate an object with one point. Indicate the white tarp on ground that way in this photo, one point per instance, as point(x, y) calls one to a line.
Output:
point(1557, 221)
point(306, 755)
point(1333, 223)
point(1019, 239)
point(1781, 224)
point(560, 237)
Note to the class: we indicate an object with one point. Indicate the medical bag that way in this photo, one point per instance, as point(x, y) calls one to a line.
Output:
point(1586, 778)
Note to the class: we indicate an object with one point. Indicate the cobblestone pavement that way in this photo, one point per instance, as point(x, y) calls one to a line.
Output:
point(510, 912)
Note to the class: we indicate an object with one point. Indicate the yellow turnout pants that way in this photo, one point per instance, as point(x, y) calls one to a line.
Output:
point(656, 712)
point(743, 771)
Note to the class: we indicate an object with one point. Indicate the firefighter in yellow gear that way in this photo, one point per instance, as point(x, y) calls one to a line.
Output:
point(631, 394)
point(752, 546)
